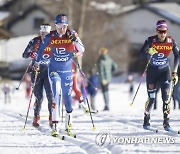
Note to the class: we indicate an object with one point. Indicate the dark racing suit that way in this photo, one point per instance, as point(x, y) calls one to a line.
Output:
point(158, 70)
point(42, 78)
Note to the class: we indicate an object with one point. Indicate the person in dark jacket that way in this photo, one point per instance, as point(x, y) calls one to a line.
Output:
point(106, 67)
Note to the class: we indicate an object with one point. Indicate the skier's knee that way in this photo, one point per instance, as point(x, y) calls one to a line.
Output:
point(152, 93)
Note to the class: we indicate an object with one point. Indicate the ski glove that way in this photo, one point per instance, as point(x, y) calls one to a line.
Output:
point(174, 78)
point(152, 51)
point(73, 36)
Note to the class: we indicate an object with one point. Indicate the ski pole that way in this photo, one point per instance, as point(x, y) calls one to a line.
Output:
point(36, 74)
point(141, 80)
point(17, 88)
point(83, 84)
point(171, 89)
point(62, 111)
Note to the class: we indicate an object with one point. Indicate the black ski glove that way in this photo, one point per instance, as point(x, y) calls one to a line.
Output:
point(73, 37)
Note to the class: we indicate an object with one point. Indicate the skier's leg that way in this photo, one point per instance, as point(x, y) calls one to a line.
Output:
point(38, 92)
point(77, 91)
point(178, 93)
point(66, 91)
point(151, 83)
point(165, 86)
point(49, 96)
point(78, 94)
point(55, 81)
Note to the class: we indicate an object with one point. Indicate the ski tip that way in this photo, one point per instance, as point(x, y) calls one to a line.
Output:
point(94, 128)
point(131, 104)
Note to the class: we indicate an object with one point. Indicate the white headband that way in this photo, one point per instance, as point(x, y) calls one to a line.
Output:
point(45, 28)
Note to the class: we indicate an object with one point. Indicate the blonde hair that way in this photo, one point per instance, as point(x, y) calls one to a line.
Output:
point(103, 50)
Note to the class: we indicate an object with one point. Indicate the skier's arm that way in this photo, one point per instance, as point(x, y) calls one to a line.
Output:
point(76, 41)
point(42, 46)
point(79, 46)
point(145, 47)
point(29, 49)
point(176, 56)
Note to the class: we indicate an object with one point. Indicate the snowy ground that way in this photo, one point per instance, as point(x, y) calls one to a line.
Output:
point(120, 130)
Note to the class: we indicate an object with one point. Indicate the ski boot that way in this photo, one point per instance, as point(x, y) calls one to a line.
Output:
point(55, 130)
point(146, 120)
point(68, 123)
point(36, 121)
point(84, 107)
point(50, 121)
point(166, 125)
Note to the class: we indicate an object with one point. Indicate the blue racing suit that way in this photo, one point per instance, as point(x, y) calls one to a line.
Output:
point(60, 68)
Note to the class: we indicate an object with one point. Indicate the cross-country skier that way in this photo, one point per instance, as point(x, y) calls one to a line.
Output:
point(158, 48)
point(77, 91)
point(42, 81)
point(63, 43)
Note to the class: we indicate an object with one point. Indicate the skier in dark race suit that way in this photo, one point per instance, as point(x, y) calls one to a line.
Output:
point(157, 48)
point(42, 81)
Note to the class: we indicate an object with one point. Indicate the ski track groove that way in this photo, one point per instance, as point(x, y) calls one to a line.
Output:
point(80, 141)
point(87, 144)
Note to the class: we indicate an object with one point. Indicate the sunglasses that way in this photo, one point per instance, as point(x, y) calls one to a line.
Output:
point(162, 31)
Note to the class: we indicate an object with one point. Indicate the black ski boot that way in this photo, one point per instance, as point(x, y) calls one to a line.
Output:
point(166, 124)
point(146, 120)
point(36, 121)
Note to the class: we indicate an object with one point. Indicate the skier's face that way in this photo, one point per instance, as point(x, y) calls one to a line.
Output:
point(61, 28)
point(43, 34)
point(162, 33)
